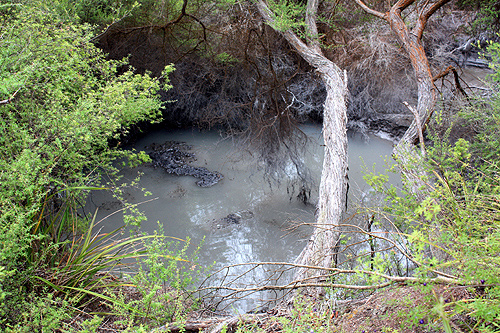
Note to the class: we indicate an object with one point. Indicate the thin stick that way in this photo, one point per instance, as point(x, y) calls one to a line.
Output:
point(419, 127)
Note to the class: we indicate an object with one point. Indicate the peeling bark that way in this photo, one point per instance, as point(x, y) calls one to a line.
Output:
point(427, 92)
point(321, 248)
point(410, 162)
point(408, 158)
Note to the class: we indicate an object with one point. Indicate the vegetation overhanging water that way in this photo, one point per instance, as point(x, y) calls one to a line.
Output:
point(268, 213)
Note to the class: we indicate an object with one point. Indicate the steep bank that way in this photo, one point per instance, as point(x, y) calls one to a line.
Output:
point(250, 76)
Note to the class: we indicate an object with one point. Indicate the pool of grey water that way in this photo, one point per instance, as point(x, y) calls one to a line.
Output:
point(243, 218)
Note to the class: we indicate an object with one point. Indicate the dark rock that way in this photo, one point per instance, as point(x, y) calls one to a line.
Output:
point(175, 157)
point(232, 219)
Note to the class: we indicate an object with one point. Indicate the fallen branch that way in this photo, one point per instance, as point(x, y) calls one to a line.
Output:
point(379, 235)
point(237, 320)
point(295, 284)
point(455, 76)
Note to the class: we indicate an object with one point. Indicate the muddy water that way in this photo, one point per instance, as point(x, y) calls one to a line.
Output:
point(266, 212)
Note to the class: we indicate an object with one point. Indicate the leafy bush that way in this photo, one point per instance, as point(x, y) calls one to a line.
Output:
point(304, 316)
point(488, 14)
point(61, 102)
point(452, 225)
point(165, 276)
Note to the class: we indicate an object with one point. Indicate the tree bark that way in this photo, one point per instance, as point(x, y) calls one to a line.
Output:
point(427, 93)
point(410, 162)
point(408, 158)
point(321, 248)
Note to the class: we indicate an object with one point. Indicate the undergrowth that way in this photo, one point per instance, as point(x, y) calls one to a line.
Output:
point(62, 105)
point(452, 225)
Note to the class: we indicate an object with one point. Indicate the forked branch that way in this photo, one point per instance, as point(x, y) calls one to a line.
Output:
point(370, 10)
point(424, 17)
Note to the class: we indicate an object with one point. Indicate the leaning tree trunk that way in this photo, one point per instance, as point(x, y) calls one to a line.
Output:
point(427, 95)
point(410, 161)
point(321, 248)
point(408, 158)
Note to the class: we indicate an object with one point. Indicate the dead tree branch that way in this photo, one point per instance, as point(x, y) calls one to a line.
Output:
point(448, 70)
point(419, 127)
point(236, 320)
point(8, 100)
point(194, 326)
point(295, 284)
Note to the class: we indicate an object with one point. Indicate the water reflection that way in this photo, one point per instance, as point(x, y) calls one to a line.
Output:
point(186, 210)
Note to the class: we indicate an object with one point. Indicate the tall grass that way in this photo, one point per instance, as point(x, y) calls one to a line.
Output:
point(80, 264)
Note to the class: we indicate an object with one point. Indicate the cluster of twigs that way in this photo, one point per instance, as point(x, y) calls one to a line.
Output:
point(276, 281)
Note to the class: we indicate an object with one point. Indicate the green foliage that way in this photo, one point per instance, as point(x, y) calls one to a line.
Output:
point(61, 103)
point(99, 12)
point(452, 226)
point(41, 315)
point(82, 263)
point(455, 227)
point(225, 58)
point(488, 14)
point(493, 50)
point(287, 14)
point(484, 117)
point(134, 12)
point(91, 325)
point(165, 275)
point(305, 316)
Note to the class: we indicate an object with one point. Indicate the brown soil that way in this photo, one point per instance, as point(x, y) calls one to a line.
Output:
point(404, 309)
point(401, 309)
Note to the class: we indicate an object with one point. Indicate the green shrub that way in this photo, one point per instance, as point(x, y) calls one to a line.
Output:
point(452, 226)
point(61, 103)
point(164, 280)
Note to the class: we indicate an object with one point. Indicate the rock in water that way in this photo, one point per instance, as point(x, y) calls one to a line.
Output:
point(232, 219)
point(175, 157)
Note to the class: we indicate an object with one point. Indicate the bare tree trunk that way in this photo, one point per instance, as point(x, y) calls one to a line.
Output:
point(408, 158)
point(321, 248)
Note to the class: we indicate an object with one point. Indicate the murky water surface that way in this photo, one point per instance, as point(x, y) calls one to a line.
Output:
point(266, 212)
